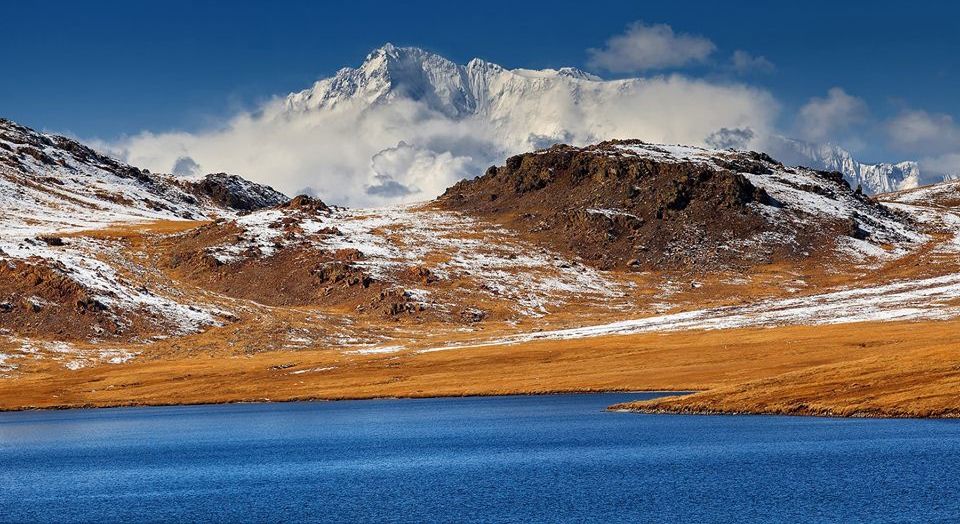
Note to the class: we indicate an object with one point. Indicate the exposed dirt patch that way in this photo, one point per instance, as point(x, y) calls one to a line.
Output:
point(296, 274)
point(37, 298)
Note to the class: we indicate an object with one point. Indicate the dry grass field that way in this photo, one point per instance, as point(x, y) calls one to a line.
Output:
point(867, 369)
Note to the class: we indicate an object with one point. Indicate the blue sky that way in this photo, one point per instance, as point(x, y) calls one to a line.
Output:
point(106, 69)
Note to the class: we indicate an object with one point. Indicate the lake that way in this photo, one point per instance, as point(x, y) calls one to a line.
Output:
point(508, 459)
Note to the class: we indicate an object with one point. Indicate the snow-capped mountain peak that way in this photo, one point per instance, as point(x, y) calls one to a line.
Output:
point(391, 72)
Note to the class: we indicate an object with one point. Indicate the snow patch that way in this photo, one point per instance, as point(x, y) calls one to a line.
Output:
point(925, 299)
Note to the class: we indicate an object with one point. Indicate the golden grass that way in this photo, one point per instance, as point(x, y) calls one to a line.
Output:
point(867, 369)
point(136, 231)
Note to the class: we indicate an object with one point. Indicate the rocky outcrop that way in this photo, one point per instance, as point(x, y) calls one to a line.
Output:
point(234, 192)
point(633, 205)
point(306, 203)
point(292, 273)
point(38, 298)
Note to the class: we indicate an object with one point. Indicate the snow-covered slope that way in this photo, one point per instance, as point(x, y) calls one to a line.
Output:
point(453, 258)
point(937, 206)
point(51, 186)
point(51, 183)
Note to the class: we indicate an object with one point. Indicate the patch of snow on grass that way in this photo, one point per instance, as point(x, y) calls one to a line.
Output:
point(74, 365)
point(611, 213)
point(925, 299)
point(396, 238)
point(79, 261)
point(116, 356)
point(381, 350)
point(314, 370)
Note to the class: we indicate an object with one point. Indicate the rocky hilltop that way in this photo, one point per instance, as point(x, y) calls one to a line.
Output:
point(629, 204)
point(233, 192)
point(50, 182)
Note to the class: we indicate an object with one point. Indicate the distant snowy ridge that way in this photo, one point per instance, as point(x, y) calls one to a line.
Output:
point(873, 178)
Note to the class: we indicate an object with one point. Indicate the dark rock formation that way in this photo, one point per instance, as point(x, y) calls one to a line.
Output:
point(234, 192)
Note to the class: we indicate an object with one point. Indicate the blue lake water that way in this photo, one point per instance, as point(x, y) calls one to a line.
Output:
point(510, 459)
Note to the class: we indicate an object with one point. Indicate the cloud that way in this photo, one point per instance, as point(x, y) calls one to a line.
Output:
point(725, 138)
point(822, 119)
point(402, 150)
point(403, 170)
point(743, 62)
point(920, 132)
point(308, 191)
point(390, 188)
point(946, 166)
point(644, 47)
point(185, 166)
point(934, 138)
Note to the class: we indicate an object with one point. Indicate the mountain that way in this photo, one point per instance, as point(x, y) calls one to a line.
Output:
point(873, 178)
point(548, 230)
point(533, 109)
point(391, 73)
point(406, 124)
point(559, 269)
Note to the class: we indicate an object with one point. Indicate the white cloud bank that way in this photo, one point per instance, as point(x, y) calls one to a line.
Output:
point(400, 150)
point(930, 133)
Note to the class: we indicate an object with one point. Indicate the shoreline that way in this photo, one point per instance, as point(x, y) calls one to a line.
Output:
point(628, 407)
point(861, 415)
point(266, 401)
